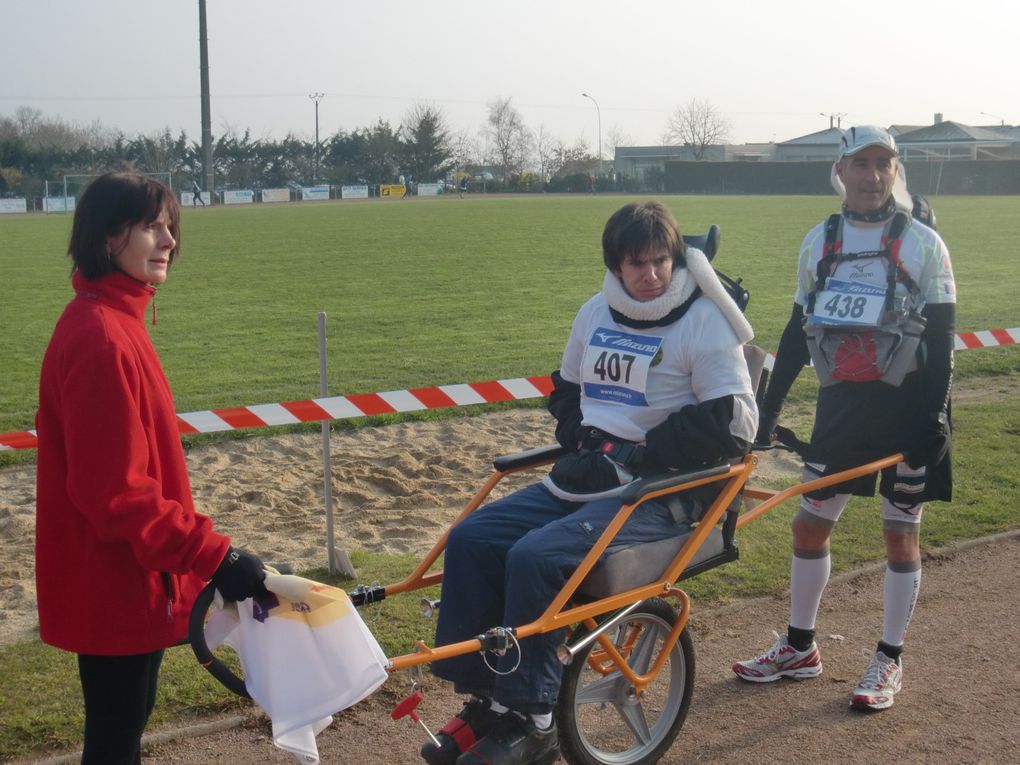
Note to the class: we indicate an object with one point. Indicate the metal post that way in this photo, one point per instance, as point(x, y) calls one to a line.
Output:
point(327, 473)
point(336, 561)
point(316, 97)
point(203, 58)
point(598, 114)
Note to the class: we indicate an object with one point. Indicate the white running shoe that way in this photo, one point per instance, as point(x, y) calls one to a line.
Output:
point(880, 684)
point(781, 660)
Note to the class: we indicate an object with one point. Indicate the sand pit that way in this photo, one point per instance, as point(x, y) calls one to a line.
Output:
point(396, 488)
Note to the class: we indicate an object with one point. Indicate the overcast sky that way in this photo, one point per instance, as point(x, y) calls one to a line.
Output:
point(773, 69)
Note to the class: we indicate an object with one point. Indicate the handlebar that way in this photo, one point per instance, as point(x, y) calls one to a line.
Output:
point(196, 634)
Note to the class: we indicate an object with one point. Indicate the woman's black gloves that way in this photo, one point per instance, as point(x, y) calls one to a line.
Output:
point(240, 576)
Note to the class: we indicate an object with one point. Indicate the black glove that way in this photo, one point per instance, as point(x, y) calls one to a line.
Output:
point(767, 422)
point(241, 575)
point(932, 442)
point(589, 472)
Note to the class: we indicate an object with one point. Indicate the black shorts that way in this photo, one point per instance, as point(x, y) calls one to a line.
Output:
point(856, 423)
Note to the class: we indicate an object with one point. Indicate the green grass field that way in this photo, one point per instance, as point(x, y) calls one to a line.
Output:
point(443, 291)
point(431, 292)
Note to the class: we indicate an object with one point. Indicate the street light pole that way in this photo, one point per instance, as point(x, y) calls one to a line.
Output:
point(598, 113)
point(316, 97)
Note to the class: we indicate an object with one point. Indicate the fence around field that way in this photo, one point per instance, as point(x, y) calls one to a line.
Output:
point(412, 400)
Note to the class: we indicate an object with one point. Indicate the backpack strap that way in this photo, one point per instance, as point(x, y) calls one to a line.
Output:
point(892, 240)
point(831, 250)
point(891, 243)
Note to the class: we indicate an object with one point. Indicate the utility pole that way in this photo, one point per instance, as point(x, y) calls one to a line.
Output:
point(203, 57)
point(834, 116)
point(316, 97)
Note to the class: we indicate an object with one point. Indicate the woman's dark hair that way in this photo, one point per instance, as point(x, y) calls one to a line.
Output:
point(635, 228)
point(110, 206)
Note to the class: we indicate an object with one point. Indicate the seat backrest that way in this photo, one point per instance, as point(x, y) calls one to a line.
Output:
point(708, 242)
point(755, 358)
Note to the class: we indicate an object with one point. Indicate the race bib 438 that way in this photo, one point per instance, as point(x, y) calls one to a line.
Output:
point(853, 304)
point(615, 366)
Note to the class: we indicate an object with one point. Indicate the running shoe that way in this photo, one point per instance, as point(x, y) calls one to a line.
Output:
point(458, 735)
point(514, 740)
point(781, 660)
point(880, 684)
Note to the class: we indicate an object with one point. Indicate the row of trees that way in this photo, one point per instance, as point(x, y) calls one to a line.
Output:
point(35, 148)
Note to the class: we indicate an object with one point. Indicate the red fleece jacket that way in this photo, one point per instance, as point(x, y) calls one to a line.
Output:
point(120, 551)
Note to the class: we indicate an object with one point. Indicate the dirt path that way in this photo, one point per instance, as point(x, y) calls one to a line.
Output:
point(960, 704)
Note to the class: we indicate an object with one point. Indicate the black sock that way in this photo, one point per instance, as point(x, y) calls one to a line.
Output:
point(892, 651)
point(799, 640)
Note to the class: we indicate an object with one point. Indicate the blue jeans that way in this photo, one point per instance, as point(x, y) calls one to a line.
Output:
point(504, 564)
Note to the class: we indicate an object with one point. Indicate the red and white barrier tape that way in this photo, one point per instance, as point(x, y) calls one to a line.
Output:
point(414, 400)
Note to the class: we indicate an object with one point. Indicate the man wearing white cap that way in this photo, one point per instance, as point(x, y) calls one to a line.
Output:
point(875, 312)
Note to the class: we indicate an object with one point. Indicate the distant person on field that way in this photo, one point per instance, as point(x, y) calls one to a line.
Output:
point(196, 194)
point(407, 187)
point(875, 310)
point(463, 187)
point(121, 552)
point(685, 401)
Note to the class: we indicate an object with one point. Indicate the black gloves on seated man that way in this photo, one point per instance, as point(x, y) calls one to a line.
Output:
point(591, 470)
point(931, 443)
point(241, 575)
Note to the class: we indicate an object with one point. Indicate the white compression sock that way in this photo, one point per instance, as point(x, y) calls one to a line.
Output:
point(901, 588)
point(808, 577)
point(499, 708)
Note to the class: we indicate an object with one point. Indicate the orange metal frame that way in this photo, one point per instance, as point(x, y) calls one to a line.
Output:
point(561, 613)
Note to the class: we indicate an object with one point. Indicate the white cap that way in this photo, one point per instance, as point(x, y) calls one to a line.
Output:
point(863, 136)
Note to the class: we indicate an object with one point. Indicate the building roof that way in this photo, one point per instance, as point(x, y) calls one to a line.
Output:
point(829, 137)
point(949, 131)
point(650, 151)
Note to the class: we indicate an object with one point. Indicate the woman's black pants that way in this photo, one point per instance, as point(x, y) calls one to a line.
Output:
point(120, 692)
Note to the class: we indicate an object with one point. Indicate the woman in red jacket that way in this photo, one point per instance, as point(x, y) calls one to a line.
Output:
point(120, 551)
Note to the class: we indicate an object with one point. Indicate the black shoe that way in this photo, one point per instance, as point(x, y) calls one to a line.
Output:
point(471, 724)
point(514, 740)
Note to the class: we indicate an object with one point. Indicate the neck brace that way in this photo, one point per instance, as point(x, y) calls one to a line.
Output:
point(697, 274)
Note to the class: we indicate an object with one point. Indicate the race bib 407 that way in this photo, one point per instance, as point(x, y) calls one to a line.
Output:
point(615, 366)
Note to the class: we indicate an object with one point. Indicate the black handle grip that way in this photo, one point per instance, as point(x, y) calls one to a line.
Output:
point(196, 634)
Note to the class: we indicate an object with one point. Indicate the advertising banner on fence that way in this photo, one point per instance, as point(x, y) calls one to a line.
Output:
point(354, 192)
point(188, 198)
point(16, 205)
point(58, 204)
point(238, 197)
point(315, 192)
point(429, 189)
point(391, 190)
point(275, 195)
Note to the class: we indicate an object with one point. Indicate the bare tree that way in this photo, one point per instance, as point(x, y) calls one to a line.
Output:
point(547, 147)
point(697, 125)
point(465, 149)
point(511, 140)
point(616, 137)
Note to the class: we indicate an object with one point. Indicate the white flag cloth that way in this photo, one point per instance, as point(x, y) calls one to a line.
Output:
point(305, 653)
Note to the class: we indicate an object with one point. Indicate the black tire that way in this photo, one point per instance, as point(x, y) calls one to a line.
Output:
point(600, 720)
